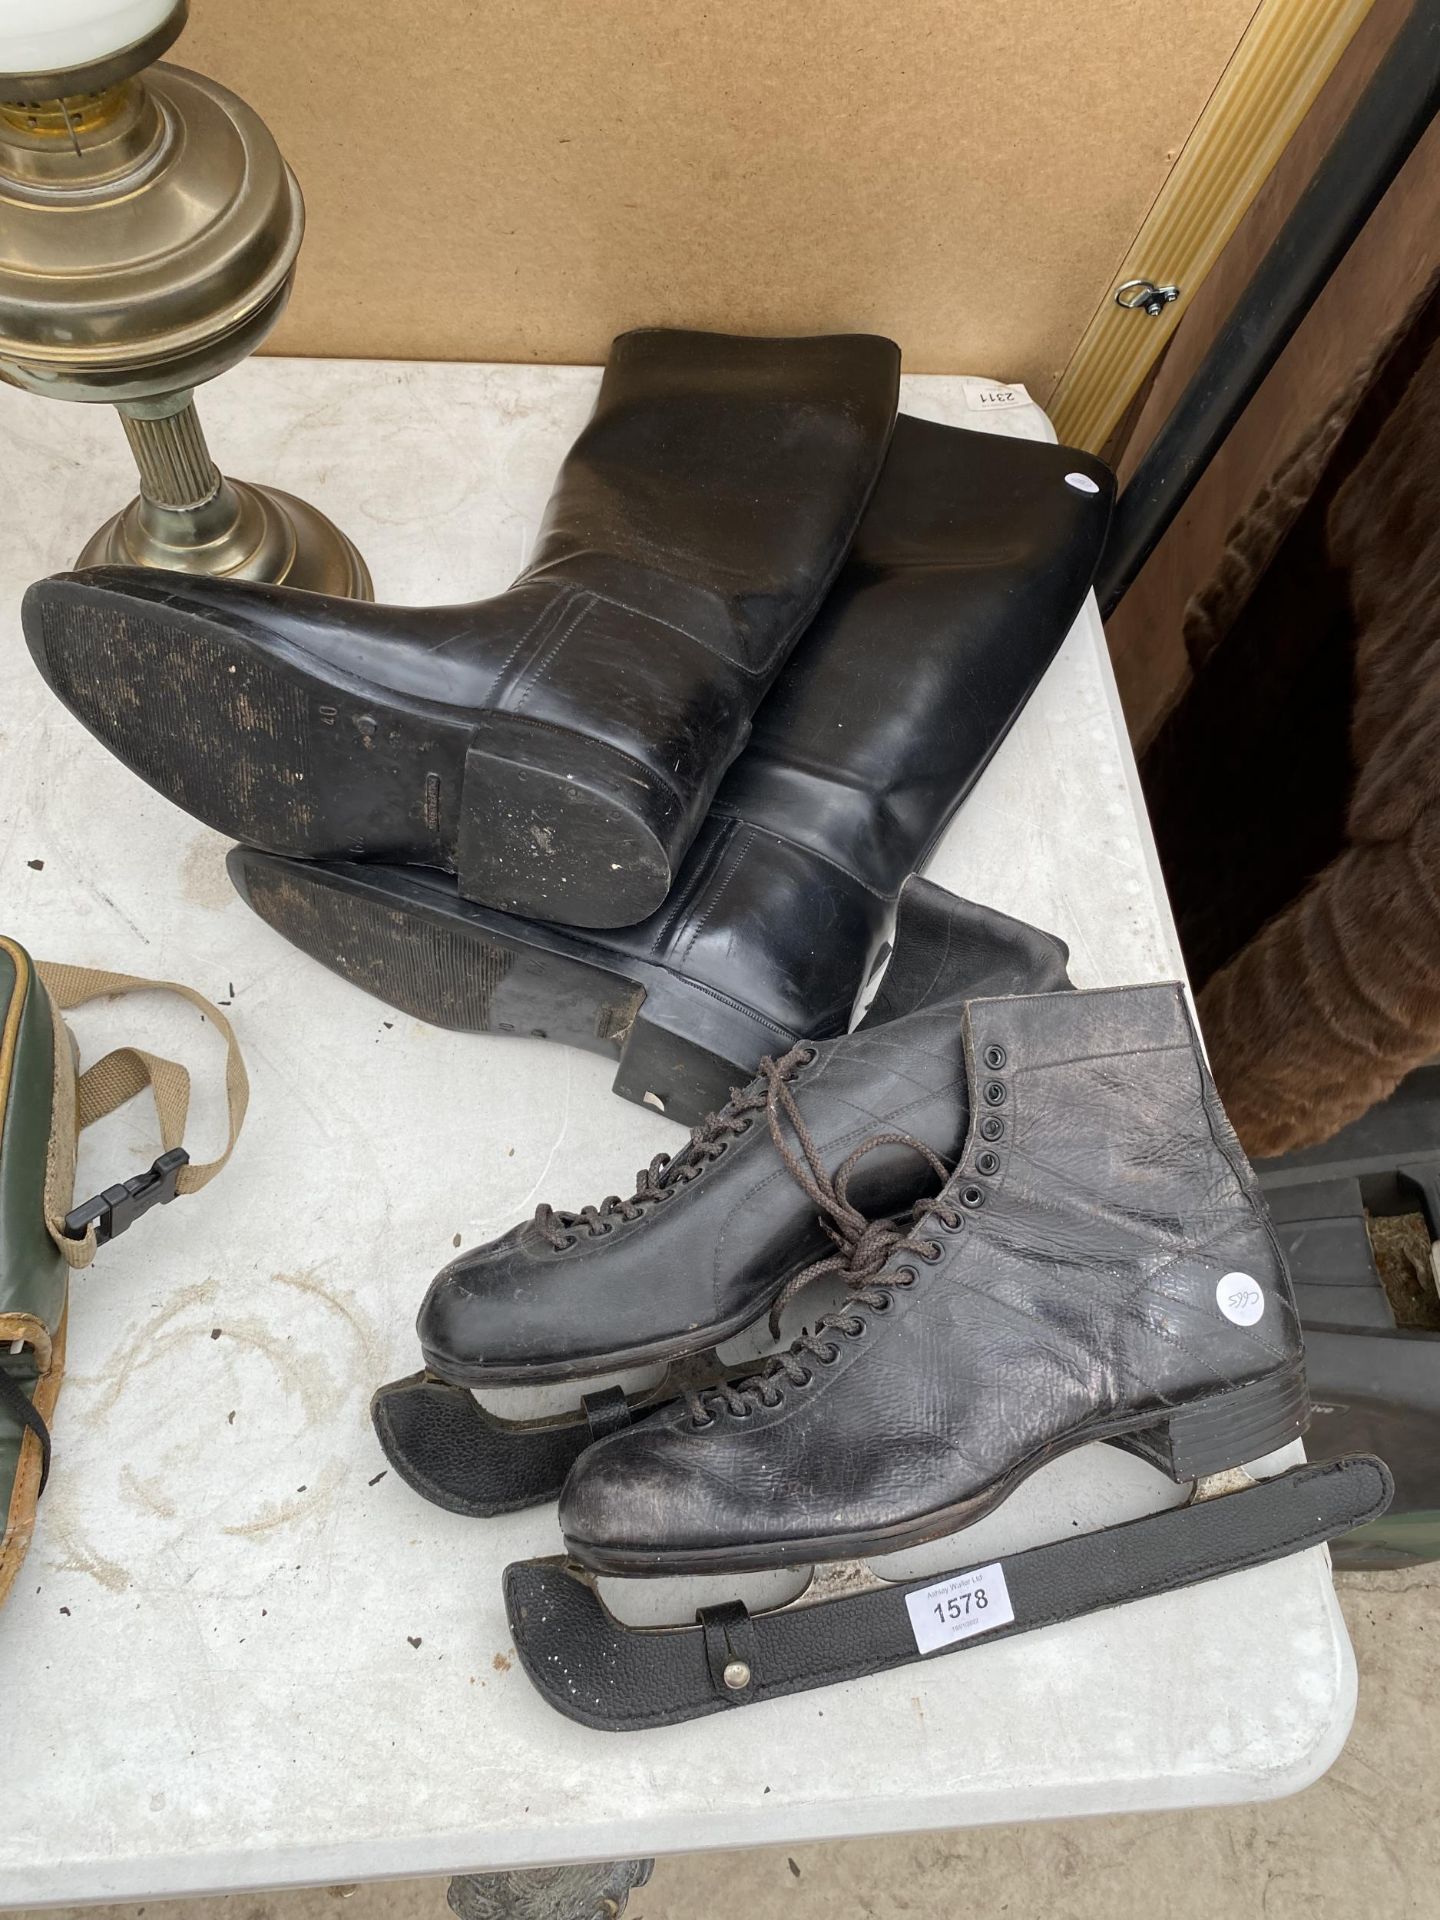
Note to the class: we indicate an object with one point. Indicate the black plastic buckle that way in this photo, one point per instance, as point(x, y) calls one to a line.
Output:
point(117, 1208)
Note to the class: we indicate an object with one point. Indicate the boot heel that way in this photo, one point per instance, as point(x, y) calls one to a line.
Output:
point(683, 1059)
point(1226, 1429)
point(561, 827)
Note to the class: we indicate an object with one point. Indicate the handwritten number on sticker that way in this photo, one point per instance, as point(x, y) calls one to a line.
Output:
point(1240, 1298)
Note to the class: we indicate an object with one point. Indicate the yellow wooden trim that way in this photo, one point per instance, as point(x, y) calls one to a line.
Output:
point(1287, 53)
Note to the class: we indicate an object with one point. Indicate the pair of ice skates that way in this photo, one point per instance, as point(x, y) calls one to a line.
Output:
point(1047, 1234)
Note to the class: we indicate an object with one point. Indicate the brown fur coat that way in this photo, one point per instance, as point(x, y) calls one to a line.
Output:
point(1338, 997)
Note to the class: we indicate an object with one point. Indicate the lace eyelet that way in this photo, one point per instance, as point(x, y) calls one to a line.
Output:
point(748, 1414)
point(858, 1331)
point(883, 1304)
point(972, 1197)
point(807, 1379)
point(987, 1162)
point(933, 1251)
point(994, 1058)
point(698, 1426)
point(992, 1127)
point(830, 1353)
point(951, 1223)
point(906, 1277)
point(995, 1093)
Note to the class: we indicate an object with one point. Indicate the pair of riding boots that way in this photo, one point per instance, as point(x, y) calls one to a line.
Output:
point(658, 799)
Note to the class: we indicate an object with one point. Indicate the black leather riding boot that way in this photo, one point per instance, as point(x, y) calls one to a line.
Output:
point(1100, 1266)
point(556, 747)
point(715, 1235)
point(972, 561)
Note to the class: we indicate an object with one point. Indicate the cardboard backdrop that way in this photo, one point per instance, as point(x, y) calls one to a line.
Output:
point(520, 179)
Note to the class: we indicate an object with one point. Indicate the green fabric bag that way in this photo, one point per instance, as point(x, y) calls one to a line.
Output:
point(45, 1103)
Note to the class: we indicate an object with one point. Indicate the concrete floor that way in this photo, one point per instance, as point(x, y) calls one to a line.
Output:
point(1364, 1841)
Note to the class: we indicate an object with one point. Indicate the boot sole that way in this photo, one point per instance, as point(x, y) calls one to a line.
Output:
point(1209, 1435)
point(408, 940)
point(270, 745)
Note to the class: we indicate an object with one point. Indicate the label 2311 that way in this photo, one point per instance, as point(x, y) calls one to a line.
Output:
point(991, 399)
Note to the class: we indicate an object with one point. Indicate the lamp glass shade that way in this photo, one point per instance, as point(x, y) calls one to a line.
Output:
point(48, 36)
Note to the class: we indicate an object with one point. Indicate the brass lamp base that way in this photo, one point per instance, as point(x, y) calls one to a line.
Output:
point(148, 234)
point(246, 531)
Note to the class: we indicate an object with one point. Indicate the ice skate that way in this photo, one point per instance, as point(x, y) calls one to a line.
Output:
point(1100, 1266)
point(781, 1186)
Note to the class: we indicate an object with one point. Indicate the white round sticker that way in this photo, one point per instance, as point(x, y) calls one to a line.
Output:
point(1082, 483)
point(1239, 1298)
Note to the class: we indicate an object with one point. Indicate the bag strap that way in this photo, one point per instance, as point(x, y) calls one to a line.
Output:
point(118, 1077)
point(17, 1403)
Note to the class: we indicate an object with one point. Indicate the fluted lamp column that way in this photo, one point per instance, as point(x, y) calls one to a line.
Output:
point(149, 229)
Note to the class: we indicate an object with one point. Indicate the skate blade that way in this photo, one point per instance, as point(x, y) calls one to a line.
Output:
point(850, 1622)
point(459, 1455)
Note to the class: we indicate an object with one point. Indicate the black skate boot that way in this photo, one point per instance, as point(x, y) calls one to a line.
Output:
point(972, 561)
point(1100, 1266)
point(556, 747)
point(767, 1195)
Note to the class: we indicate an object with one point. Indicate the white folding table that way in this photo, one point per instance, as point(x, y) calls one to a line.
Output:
point(244, 1655)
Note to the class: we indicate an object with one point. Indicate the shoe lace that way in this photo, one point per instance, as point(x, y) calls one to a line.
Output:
point(667, 1173)
point(862, 1245)
point(864, 1266)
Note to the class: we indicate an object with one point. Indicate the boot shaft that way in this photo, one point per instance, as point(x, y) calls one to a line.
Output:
point(948, 952)
point(710, 481)
point(969, 567)
point(1111, 1194)
point(971, 563)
